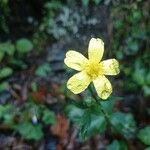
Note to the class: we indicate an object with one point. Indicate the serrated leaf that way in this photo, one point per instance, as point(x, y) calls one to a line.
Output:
point(24, 45)
point(92, 125)
point(144, 135)
point(124, 123)
point(5, 72)
point(88, 118)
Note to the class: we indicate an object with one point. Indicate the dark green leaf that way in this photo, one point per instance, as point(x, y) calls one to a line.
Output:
point(24, 45)
point(85, 2)
point(88, 118)
point(146, 90)
point(6, 109)
point(144, 135)
point(4, 86)
point(43, 70)
point(117, 145)
point(48, 117)
point(124, 124)
point(29, 131)
point(92, 125)
point(5, 72)
point(8, 48)
point(74, 113)
point(97, 1)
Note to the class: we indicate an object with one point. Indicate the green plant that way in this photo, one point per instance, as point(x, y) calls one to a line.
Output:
point(13, 53)
point(130, 44)
point(30, 120)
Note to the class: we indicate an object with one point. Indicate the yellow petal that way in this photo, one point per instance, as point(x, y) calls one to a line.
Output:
point(96, 49)
point(110, 67)
point(78, 83)
point(103, 87)
point(75, 60)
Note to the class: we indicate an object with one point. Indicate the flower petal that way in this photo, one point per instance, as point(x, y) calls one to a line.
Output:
point(75, 60)
point(96, 49)
point(78, 83)
point(110, 67)
point(103, 87)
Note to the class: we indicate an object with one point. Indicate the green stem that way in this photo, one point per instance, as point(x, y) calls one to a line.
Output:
point(106, 115)
point(103, 111)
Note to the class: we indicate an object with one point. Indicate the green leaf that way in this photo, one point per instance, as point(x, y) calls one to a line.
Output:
point(29, 131)
point(144, 135)
point(148, 148)
point(5, 72)
point(92, 125)
point(4, 86)
point(137, 15)
point(48, 117)
point(133, 46)
point(88, 118)
point(5, 109)
point(24, 45)
point(9, 119)
point(139, 74)
point(8, 48)
point(43, 70)
point(108, 106)
point(146, 90)
point(97, 1)
point(74, 113)
point(85, 2)
point(124, 124)
point(7, 115)
point(34, 86)
point(17, 63)
point(117, 145)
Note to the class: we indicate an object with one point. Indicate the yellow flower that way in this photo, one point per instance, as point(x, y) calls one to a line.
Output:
point(91, 70)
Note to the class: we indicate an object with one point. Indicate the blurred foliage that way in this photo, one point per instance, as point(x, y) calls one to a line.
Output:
point(87, 115)
point(43, 70)
point(28, 121)
point(14, 53)
point(131, 28)
point(4, 8)
point(144, 135)
point(117, 145)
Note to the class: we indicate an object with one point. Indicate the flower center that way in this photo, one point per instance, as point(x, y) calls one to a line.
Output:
point(93, 69)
